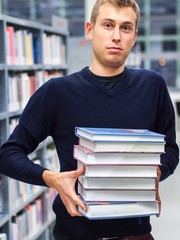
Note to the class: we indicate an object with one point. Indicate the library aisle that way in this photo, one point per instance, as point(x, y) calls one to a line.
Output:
point(167, 226)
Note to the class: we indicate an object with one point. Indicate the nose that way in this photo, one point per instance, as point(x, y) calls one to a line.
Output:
point(116, 35)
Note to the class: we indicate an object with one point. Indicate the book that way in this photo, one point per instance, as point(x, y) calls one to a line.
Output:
point(3, 236)
point(122, 146)
point(118, 134)
point(13, 101)
point(19, 57)
point(29, 48)
point(110, 210)
point(117, 182)
point(100, 158)
point(116, 194)
point(10, 45)
point(119, 170)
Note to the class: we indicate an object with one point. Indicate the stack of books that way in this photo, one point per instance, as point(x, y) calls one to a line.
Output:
point(121, 171)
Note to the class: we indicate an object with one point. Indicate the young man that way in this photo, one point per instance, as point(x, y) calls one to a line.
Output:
point(105, 94)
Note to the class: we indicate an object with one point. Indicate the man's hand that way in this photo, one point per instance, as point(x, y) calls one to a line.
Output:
point(157, 190)
point(64, 183)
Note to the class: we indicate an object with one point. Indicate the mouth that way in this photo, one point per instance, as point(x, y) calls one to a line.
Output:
point(114, 49)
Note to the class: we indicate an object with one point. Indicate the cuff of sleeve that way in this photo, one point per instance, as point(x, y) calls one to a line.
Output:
point(35, 176)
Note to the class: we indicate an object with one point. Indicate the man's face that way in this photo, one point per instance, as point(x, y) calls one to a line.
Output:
point(113, 35)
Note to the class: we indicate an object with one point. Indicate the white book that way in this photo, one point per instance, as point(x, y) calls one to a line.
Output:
point(117, 182)
point(13, 101)
point(116, 194)
point(25, 89)
point(119, 170)
point(100, 158)
point(111, 210)
point(3, 236)
point(115, 146)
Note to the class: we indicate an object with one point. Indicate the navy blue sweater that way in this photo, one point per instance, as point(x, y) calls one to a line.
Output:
point(140, 100)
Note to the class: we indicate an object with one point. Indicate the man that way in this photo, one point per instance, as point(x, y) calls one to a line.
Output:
point(105, 94)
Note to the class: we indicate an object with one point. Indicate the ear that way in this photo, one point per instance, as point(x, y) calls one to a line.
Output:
point(89, 29)
point(135, 37)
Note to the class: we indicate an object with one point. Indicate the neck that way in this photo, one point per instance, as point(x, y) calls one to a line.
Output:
point(106, 70)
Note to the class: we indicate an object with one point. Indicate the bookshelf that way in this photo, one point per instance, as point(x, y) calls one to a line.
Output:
point(30, 54)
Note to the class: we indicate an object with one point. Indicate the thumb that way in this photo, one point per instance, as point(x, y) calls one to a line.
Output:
point(80, 171)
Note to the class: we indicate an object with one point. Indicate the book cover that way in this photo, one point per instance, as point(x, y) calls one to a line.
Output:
point(116, 194)
point(122, 146)
point(111, 210)
point(100, 158)
point(117, 182)
point(118, 134)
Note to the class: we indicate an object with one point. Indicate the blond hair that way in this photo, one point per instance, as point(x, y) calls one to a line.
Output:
point(117, 3)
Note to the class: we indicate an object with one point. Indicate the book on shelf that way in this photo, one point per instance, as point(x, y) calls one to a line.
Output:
point(13, 98)
point(20, 57)
point(53, 49)
point(26, 224)
point(118, 134)
point(116, 194)
point(100, 158)
point(119, 170)
point(110, 210)
point(24, 87)
point(29, 48)
point(117, 182)
point(3, 236)
point(20, 46)
point(122, 146)
point(10, 45)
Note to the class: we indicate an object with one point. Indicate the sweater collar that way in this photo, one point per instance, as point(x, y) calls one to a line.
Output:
point(93, 79)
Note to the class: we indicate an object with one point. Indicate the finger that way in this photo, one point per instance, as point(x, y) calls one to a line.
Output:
point(78, 202)
point(158, 196)
point(159, 203)
point(72, 209)
point(158, 173)
point(73, 204)
point(81, 204)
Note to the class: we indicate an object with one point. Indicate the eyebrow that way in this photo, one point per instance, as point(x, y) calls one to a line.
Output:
point(112, 20)
point(107, 19)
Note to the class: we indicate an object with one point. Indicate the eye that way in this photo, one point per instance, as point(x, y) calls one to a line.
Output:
point(108, 25)
point(126, 28)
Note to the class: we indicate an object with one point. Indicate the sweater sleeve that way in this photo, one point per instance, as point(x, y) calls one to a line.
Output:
point(166, 125)
point(34, 126)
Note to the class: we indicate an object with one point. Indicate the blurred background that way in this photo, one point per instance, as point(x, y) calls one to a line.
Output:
point(158, 44)
point(157, 47)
